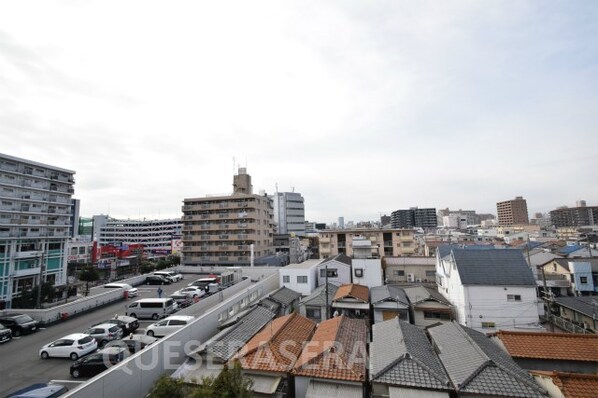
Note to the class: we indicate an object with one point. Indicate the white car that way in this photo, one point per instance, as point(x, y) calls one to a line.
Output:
point(72, 346)
point(169, 325)
point(172, 275)
point(191, 291)
point(131, 291)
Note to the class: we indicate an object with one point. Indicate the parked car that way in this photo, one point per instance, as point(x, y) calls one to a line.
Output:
point(98, 362)
point(191, 291)
point(19, 324)
point(157, 280)
point(5, 334)
point(126, 323)
point(39, 390)
point(154, 308)
point(72, 346)
point(136, 342)
point(173, 275)
point(105, 332)
point(182, 300)
point(131, 291)
point(169, 325)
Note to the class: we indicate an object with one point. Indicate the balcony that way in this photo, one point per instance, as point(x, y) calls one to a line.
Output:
point(28, 254)
point(26, 272)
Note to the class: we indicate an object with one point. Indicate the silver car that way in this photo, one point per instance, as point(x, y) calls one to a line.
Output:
point(105, 332)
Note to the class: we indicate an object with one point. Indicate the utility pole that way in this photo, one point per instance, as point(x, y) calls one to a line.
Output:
point(326, 291)
point(547, 301)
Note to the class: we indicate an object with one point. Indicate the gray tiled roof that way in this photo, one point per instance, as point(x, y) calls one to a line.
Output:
point(285, 296)
point(477, 365)
point(340, 258)
point(417, 294)
point(379, 294)
point(400, 354)
point(493, 267)
point(318, 296)
point(581, 304)
point(270, 304)
point(232, 339)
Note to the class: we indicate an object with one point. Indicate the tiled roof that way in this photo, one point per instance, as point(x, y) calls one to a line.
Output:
point(337, 351)
point(285, 296)
point(318, 296)
point(566, 262)
point(342, 258)
point(556, 346)
point(272, 305)
point(388, 293)
point(401, 354)
point(359, 292)
point(581, 304)
point(573, 385)
point(477, 365)
point(493, 267)
point(277, 346)
point(417, 294)
point(445, 250)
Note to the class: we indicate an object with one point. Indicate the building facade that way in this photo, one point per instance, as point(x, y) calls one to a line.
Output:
point(289, 213)
point(512, 212)
point(228, 230)
point(414, 217)
point(579, 216)
point(35, 222)
point(385, 241)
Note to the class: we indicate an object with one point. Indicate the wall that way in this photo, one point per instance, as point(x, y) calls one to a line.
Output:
point(344, 272)
point(372, 271)
point(135, 376)
point(304, 288)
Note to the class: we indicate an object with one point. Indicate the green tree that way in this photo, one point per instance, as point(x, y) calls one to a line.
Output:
point(231, 383)
point(88, 274)
point(167, 387)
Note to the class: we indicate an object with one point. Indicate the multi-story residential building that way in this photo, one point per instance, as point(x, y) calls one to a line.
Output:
point(512, 212)
point(579, 216)
point(385, 241)
point(289, 213)
point(414, 217)
point(35, 222)
point(228, 230)
point(156, 236)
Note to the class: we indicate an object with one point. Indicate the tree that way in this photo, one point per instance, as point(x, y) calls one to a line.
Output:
point(167, 387)
point(88, 274)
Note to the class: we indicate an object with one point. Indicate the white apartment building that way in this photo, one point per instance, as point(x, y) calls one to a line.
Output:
point(35, 222)
point(302, 278)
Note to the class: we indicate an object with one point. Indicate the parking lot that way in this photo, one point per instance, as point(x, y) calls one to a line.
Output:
point(20, 364)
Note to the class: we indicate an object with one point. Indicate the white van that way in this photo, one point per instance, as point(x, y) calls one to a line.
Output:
point(154, 308)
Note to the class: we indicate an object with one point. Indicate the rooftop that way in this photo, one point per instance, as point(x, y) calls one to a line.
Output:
point(572, 385)
point(582, 304)
point(352, 290)
point(304, 265)
point(285, 296)
point(388, 293)
point(418, 294)
point(318, 296)
point(339, 257)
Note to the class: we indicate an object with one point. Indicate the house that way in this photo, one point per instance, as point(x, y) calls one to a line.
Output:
point(478, 367)
point(301, 277)
point(576, 314)
point(402, 270)
point(403, 363)
point(352, 300)
point(428, 306)
point(314, 306)
point(489, 289)
point(389, 302)
point(338, 269)
point(287, 300)
point(567, 385)
point(268, 357)
point(333, 362)
point(366, 269)
point(582, 273)
point(563, 352)
point(209, 359)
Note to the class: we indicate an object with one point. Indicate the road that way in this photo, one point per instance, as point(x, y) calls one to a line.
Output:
point(20, 365)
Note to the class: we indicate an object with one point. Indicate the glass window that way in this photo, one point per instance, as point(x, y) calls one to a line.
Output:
point(286, 279)
point(513, 297)
point(302, 279)
point(488, 325)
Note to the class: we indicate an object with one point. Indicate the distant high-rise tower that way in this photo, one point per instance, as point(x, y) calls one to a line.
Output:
point(512, 212)
point(341, 222)
point(289, 213)
point(414, 217)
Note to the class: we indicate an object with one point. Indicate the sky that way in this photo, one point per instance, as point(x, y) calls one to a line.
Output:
point(362, 107)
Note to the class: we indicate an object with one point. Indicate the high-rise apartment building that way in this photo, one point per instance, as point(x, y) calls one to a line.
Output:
point(414, 217)
point(228, 230)
point(512, 212)
point(35, 222)
point(579, 216)
point(289, 213)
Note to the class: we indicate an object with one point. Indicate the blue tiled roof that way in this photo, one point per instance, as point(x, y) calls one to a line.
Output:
point(569, 249)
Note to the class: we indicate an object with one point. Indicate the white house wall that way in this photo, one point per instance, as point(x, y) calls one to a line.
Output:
point(304, 288)
point(344, 272)
point(372, 271)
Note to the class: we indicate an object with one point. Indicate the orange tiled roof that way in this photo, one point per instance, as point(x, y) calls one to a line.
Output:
point(277, 346)
point(359, 292)
point(337, 351)
point(559, 346)
point(573, 385)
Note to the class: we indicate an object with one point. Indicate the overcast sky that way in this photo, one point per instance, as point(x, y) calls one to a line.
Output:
point(363, 107)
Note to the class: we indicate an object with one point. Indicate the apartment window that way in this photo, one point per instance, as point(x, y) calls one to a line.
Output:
point(583, 279)
point(332, 273)
point(488, 325)
point(513, 297)
point(302, 279)
point(399, 273)
point(358, 272)
point(286, 279)
point(431, 274)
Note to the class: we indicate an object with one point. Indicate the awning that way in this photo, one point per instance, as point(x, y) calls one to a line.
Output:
point(264, 384)
point(320, 389)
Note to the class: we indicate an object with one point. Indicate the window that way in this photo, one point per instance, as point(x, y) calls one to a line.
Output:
point(431, 274)
point(358, 272)
point(437, 315)
point(302, 279)
point(313, 313)
point(513, 297)
point(399, 273)
point(332, 273)
point(488, 325)
point(583, 279)
point(286, 279)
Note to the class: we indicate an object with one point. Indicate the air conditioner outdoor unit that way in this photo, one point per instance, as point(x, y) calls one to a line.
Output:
point(410, 277)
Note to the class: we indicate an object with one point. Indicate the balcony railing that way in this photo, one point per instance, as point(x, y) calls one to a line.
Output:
point(570, 326)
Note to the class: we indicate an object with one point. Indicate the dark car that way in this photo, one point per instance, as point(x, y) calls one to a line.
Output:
point(126, 323)
point(19, 324)
point(39, 390)
point(5, 334)
point(157, 280)
point(182, 300)
point(95, 364)
point(135, 342)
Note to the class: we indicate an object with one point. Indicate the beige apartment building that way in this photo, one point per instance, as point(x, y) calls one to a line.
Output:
point(512, 212)
point(385, 242)
point(228, 230)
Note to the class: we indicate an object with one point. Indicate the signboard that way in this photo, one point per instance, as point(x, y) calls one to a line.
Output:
point(177, 246)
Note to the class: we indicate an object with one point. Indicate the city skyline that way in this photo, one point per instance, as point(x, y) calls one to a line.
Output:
point(364, 109)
